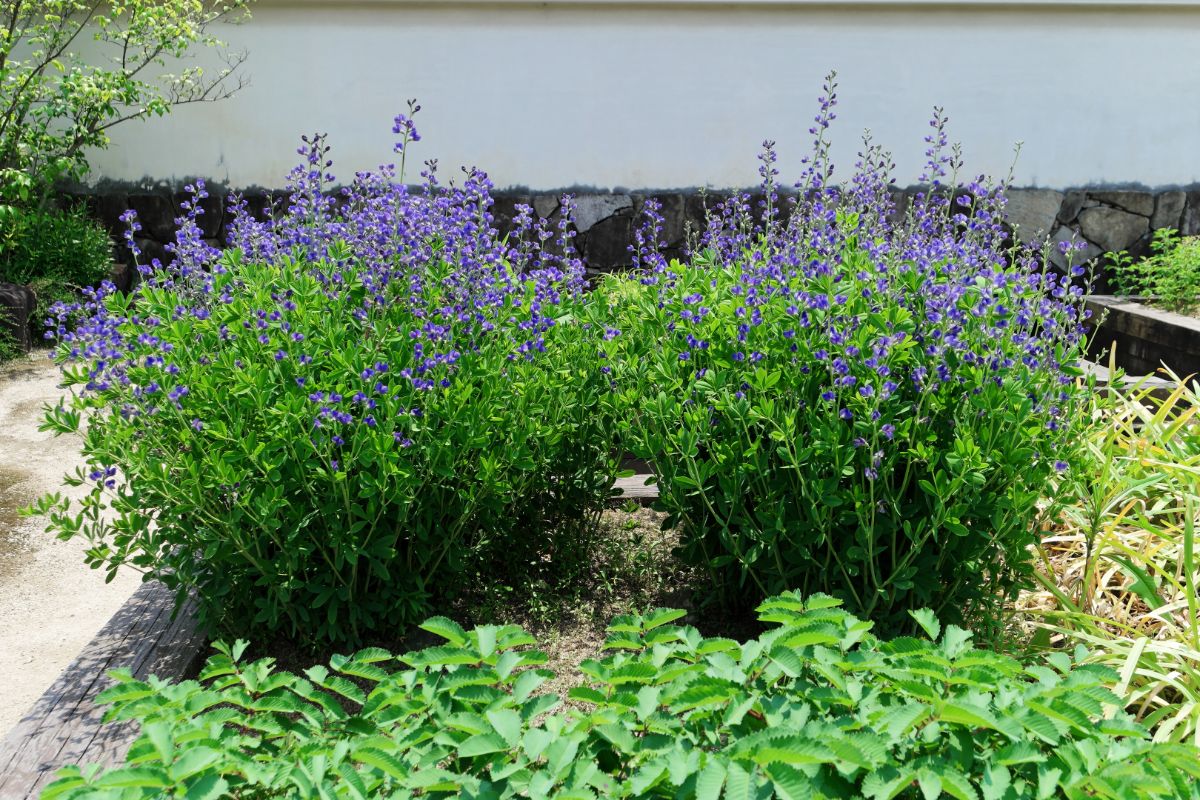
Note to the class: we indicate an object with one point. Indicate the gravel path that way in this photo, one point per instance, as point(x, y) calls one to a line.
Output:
point(51, 603)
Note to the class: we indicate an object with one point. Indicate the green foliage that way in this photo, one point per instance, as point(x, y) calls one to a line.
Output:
point(1169, 278)
point(888, 490)
point(817, 707)
point(8, 348)
point(55, 252)
point(55, 103)
point(308, 486)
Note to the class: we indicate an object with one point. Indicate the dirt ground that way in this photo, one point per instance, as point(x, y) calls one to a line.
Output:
point(51, 603)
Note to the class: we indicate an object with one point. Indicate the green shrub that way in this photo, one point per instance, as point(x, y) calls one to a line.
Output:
point(54, 252)
point(320, 430)
point(815, 708)
point(838, 402)
point(1169, 278)
point(8, 347)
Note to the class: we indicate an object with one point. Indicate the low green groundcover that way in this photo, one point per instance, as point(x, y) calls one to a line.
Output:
point(817, 707)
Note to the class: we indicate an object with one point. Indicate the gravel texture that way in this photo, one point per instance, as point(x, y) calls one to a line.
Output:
point(51, 603)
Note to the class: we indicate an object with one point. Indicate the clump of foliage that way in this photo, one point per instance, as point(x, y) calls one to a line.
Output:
point(1169, 278)
point(1119, 573)
point(54, 252)
point(817, 707)
point(8, 348)
point(55, 103)
point(839, 399)
point(319, 430)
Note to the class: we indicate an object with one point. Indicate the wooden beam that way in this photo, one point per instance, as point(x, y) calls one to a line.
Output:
point(64, 726)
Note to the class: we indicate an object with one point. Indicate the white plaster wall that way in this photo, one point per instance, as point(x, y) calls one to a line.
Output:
point(680, 94)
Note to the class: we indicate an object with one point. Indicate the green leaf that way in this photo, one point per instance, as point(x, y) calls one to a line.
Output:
point(738, 783)
point(930, 783)
point(384, 762)
point(888, 782)
point(207, 787)
point(133, 778)
point(482, 744)
point(928, 622)
point(661, 616)
point(970, 714)
point(507, 723)
point(710, 781)
point(790, 783)
point(997, 780)
point(193, 760)
point(956, 784)
point(448, 629)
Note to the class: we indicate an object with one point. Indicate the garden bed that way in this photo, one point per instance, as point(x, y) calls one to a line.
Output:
point(1145, 338)
point(64, 726)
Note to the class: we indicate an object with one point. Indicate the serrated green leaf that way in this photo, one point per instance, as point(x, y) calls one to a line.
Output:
point(207, 787)
point(446, 628)
point(482, 744)
point(928, 622)
point(507, 723)
point(710, 781)
point(384, 762)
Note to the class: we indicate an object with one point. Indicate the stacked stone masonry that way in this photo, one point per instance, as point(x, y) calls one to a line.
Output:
point(1105, 220)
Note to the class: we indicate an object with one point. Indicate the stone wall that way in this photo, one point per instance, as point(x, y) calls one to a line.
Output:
point(1107, 220)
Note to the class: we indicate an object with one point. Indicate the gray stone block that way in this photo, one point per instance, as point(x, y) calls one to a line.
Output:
point(1168, 210)
point(124, 276)
point(211, 220)
point(674, 213)
point(107, 210)
point(152, 249)
point(901, 204)
point(1032, 212)
point(605, 246)
point(1141, 203)
point(1189, 223)
point(544, 205)
point(17, 304)
point(1073, 203)
point(156, 213)
point(1112, 229)
point(504, 211)
point(592, 208)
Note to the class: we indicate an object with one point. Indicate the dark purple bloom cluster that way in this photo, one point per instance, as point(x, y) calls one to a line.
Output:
point(433, 251)
point(365, 391)
point(872, 398)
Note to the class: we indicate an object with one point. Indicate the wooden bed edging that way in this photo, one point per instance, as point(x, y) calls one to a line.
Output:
point(1145, 337)
point(64, 726)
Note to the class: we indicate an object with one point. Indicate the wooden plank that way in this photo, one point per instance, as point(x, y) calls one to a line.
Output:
point(39, 736)
point(177, 655)
point(64, 726)
point(637, 489)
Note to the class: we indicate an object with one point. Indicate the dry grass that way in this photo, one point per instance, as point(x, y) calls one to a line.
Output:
point(1118, 572)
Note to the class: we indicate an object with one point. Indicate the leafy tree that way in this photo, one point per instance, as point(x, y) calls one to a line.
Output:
point(57, 102)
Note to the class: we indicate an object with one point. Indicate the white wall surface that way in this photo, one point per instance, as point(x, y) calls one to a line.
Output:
point(676, 94)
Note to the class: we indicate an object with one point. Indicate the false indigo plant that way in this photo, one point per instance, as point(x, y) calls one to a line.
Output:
point(318, 429)
point(840, 398)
